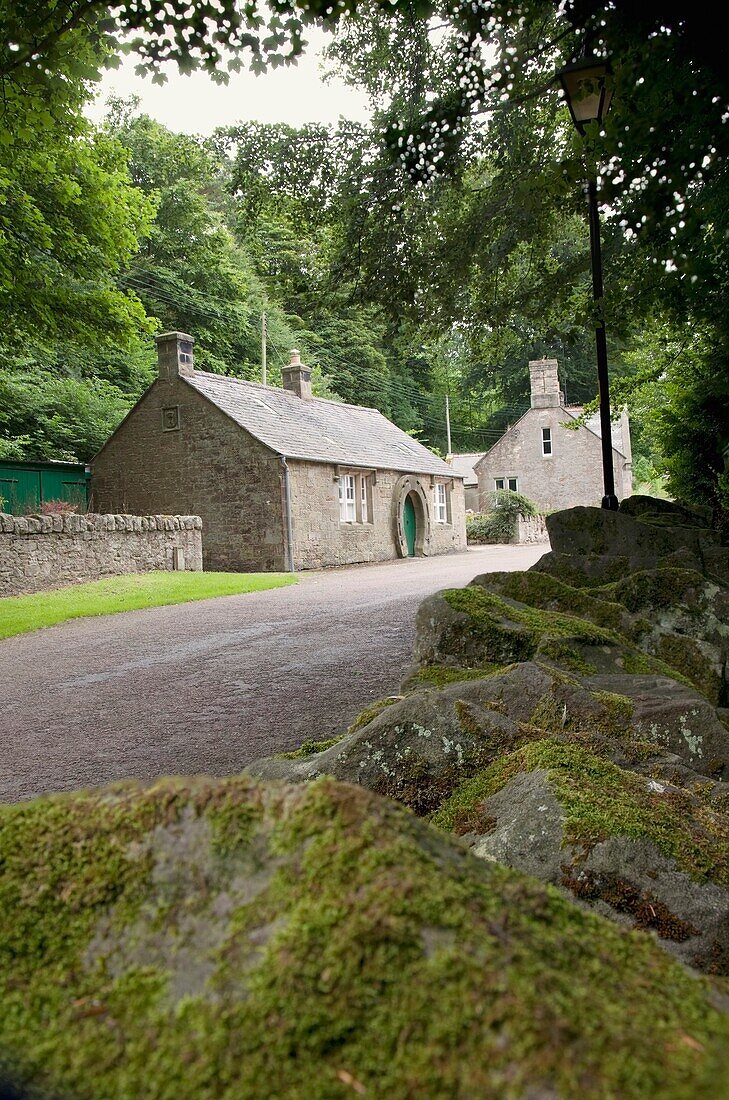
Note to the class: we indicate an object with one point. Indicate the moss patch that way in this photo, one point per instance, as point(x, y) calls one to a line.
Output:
point(602, 800)
point(618, 710)
point(496, 632)
point(499, 632)
point(641, 664)
point(685, 655)
point(603, 715)
point(415, 785)
point(540, 590)
point(485, 609)
point(653, 589)
point(309, 748)
point(357, 949)
point(441, 675)
point(370, 713)
point(566, 656)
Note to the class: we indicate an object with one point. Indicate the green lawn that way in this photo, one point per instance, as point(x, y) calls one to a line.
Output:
point(19, 614)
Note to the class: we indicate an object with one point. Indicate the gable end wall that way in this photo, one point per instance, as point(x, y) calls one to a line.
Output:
point(210, 467)
point(570, 476)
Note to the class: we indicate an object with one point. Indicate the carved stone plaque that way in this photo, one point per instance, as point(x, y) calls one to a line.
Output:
point(171, 419)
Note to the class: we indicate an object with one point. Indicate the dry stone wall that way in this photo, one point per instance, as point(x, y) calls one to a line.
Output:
point(531, 529)
point(42, 552)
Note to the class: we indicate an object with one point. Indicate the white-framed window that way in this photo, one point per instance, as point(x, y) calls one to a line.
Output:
point(546, 441)
point(441, 502)
point(499, 483)
point(347, 499)
point(513, 484)
point(355, 498)
point(510, 483)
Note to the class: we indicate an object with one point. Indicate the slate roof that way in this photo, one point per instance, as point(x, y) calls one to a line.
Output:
point(317, 430)
point(464, 465)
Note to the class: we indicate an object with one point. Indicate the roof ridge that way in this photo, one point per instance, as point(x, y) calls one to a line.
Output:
point(280, 389)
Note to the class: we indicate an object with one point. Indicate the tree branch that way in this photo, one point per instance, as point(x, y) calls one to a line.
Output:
point(31, 53)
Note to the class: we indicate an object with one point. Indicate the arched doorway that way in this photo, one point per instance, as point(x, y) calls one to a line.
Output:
point(409, 524)
point(411, 517)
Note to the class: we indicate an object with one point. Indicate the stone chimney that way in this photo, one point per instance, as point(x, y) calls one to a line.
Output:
point(174, 355)
point(545, 384)
point(296, 377)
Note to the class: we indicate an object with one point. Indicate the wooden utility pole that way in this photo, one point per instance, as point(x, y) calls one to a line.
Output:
point(448, 422)
point(263, 348)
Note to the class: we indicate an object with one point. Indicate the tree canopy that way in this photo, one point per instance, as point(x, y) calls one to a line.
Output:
point(431, 254)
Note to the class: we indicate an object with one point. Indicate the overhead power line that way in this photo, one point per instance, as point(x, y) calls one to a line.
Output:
point(201, 303)
point(488, 436)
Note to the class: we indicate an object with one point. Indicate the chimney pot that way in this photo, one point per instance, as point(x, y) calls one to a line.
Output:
point(295, 357)
point(175, 355)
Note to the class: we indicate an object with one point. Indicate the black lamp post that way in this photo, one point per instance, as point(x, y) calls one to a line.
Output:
point(588, 97)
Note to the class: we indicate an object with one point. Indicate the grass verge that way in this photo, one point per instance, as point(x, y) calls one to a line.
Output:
point(21, 614)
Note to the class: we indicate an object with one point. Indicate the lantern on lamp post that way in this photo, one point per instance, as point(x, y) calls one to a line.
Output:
point(588, 93)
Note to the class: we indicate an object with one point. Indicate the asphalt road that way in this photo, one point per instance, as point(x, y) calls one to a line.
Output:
point(210, 686)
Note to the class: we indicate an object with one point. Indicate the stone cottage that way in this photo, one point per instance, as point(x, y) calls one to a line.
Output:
point(550, 457)
point(280, 478)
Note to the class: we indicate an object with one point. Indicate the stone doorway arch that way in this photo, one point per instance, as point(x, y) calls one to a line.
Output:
point(412, 488)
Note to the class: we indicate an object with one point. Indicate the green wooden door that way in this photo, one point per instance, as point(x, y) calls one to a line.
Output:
point(409, 525)
point(19, 489)
point(64, 483)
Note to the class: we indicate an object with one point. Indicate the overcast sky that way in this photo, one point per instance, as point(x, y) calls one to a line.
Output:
point(195, 105)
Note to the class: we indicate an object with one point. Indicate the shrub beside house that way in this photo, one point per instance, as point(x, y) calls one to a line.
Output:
point(510, 518)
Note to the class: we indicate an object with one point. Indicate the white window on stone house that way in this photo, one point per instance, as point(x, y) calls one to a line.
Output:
point(355, 500)
point(546, 441)
point(347, 499)
point(510, 483)
point(441, 502)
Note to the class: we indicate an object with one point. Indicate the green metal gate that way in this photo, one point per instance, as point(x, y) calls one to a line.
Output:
point(26, 486)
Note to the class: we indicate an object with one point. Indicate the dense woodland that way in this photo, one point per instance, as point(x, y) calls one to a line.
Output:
point(430, 254)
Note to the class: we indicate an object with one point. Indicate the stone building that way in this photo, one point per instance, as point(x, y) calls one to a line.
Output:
point(550, 457)
point(280, 478)
point(465, 464)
